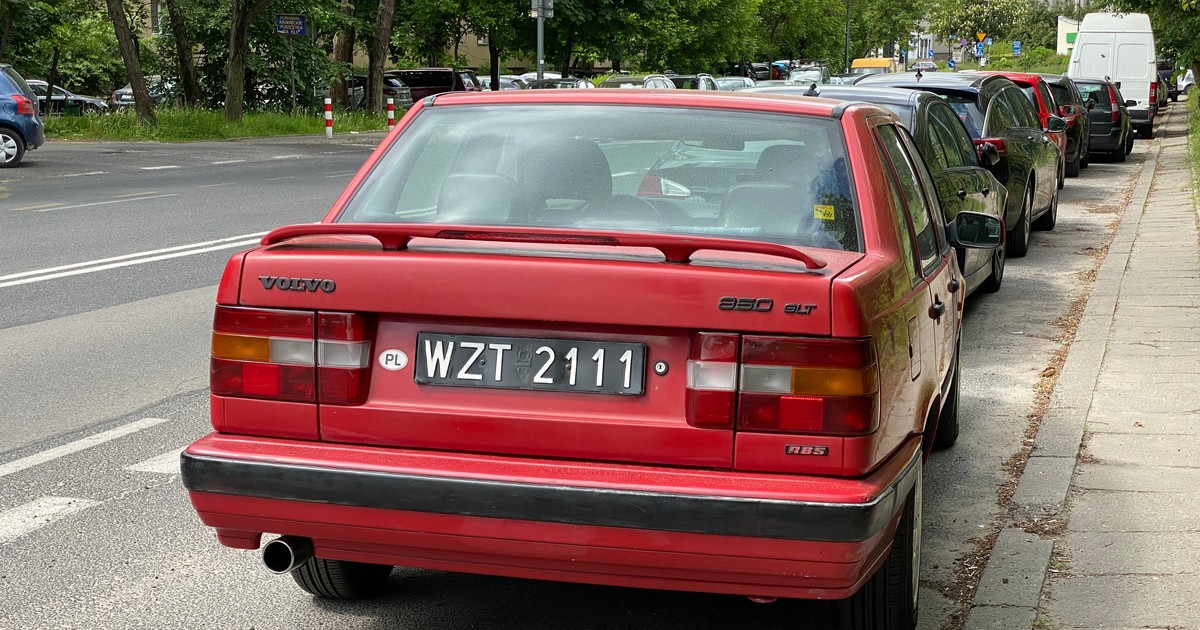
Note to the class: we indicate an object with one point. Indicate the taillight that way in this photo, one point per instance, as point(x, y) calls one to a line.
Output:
point(712, 372)
point(24, 105)
point(808, 385)
point(783, 384)
point(1116, 107)
point(297, 356)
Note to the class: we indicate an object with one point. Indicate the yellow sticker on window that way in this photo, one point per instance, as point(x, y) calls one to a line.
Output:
point(825, 213)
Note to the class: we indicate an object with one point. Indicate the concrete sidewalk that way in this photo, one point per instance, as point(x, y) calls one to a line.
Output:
point(1105, 521)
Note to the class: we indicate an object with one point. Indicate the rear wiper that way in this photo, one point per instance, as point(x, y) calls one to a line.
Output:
point(677, 248)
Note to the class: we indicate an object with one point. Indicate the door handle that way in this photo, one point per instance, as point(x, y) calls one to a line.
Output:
point(962, 193)
point(1032, 138)
point(938, 309)
point(953, 287)
point(986, 191)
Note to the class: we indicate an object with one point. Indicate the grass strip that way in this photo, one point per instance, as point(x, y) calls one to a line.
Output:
point(187, 125)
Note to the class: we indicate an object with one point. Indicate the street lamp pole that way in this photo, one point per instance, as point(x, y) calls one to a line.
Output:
point(541, 9)
point(847, 37)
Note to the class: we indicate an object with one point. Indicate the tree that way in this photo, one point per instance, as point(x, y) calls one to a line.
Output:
point(242, 16)
point(379, 54)
point(343, 52)
point(133, 64)
point(183, 51)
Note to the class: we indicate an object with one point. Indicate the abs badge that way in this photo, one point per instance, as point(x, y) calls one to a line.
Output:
point(815, 451)
point(393, 360)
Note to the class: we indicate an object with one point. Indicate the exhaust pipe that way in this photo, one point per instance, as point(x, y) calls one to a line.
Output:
point(287, 553)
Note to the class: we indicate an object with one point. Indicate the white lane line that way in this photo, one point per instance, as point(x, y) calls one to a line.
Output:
point(215, 185)
point(85, 174)
point(81, 444)
point(129, 263)
point(229, 162)
point(625, 173)
point(275, 179)
point(165, 464)
point(25, 518)
point(105, 203)
point(286, 157)
point(159, 168)
point(101, 261)
point(341, 174)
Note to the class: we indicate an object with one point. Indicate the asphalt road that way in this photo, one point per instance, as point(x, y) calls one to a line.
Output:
point(109, 256)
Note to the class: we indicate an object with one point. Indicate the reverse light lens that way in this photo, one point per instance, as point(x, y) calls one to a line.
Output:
point(712, 376)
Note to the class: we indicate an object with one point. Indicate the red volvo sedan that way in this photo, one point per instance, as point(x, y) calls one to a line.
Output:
point(664, 340)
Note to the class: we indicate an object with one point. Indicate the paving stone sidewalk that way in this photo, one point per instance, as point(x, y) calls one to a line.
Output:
point(1106, 517)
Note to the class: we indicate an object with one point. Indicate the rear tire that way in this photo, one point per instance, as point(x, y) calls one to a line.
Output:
point(1018, 236)
point(1129, 142)
point(12, 148)
point(340, 579)
point(1048, 220)
point(993, 282)
point(1073, 166)
point(947, 428)
point(888, 600)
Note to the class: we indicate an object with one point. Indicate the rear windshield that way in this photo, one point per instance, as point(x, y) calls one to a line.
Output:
point(426, 79)
point(16, 80)
point(1062, 95)
point(744, 175)
point(1096, 93)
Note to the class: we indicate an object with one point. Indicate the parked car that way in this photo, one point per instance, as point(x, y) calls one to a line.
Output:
point(21, 127)
point(530, 76)
point(65, 101)
point(559, 84)
point(393, 88)
point(649, 81)
point(752, 423)
point(1073, 109)
point(808, 75)
point(160, 93)
point(1108, 115)
point(960, 181)
point(1005, 128)
point(505, 84)
point(1038, 93)
point(760, 71)
point(1187, 82)
point(1166, 74)
point(924, 66)
point(694, 81)
point(424, 82)
point(1120, 47)
point(874, 65)
point(729, 84)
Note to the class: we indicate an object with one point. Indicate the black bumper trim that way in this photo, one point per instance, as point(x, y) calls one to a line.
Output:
point(573, 505)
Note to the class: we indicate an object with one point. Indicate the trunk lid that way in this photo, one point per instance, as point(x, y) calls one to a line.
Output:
point(520, 309)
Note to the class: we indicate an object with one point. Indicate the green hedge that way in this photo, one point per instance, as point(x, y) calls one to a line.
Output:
point(183, 125)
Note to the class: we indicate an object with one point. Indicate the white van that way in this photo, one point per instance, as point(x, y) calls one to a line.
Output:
point(1120, 47)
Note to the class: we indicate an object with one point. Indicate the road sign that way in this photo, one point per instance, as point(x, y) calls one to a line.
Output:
point(931, 53)
point(288, 24)
point(987, 42)
point(951, 64)
point(1016, 48)
point(979, 49)
point(980, 35)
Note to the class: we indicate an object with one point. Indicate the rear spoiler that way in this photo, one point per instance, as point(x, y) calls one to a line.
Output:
point(677, 248)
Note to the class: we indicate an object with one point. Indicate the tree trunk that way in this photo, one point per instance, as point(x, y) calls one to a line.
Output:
point(494, 59)
point(9, 9)
point(183, 52)
point(242, 15)
point(52, 80)
point(343, 52)
point(566, 71)
point(133, 64)
point(378, 55)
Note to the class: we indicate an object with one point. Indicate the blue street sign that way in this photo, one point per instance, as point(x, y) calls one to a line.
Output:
point(951, 64)
point(1016, 48)
point(290, 24)
point(931, 53)
point(979, 49)
point(987, 42)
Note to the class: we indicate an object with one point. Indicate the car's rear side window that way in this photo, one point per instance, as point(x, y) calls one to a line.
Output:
point(1062, 95)
point(16, 80)
point(746, 175)
point(1096, 93)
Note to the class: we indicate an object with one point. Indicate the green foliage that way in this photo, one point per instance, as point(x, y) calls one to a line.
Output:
point(1031, 21)
point(183, 125)
point(1041, 60)
point(88, 58)
point(1193, 110)
point(1175, 23)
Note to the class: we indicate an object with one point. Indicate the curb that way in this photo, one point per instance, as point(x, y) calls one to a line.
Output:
point(1010, 589)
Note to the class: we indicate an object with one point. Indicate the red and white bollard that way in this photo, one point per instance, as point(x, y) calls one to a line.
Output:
point(391, 113)
point(329, 119)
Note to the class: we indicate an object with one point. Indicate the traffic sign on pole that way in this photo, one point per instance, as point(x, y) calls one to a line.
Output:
point(979, 49)
point(987, 41)
point(931, 53)
point(980, 35)
point(1016, 48)
point(950, 64)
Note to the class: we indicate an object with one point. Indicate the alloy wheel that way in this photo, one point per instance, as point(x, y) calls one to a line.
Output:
point(9, 150)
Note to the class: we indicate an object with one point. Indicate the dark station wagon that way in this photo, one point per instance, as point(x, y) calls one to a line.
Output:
point(664, 340)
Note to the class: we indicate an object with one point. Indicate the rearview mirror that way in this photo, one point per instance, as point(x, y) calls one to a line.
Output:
point(975, 230)
point(1056, 125)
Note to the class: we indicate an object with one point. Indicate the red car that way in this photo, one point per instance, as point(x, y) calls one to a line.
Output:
point(662, 340)
point(1038, 93)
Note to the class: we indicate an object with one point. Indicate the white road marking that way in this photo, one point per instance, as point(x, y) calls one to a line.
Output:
point(158, 168)
point(165, 464)
point(626, 173)
point(341, 174)
point(229, 162)
point(286, 157)
point(275, 179)
point(215, 185)
point(38, 459)
point(127, 259)
point(105, 203)
point(25, 518)
point(85, 174)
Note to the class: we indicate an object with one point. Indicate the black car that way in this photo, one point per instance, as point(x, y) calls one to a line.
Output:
point(1073, 109)
point(1108, 115)
point(65, 100)
point(694, 81)
point(559, 84)
point(1009, 137)
point(956, 169)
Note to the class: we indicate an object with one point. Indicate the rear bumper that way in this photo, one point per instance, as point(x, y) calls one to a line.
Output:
point(712, 531)
point(1106, 142)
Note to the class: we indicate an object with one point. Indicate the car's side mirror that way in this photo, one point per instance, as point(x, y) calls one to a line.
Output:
point(989, 155)
point(1056, 125)
point(1068, 110)
point(1130, 103)
point(975, 230)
